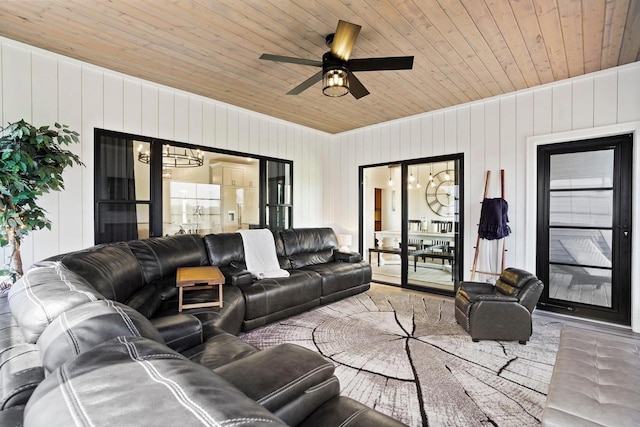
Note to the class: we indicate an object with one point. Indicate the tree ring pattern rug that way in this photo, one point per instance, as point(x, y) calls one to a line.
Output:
point(404, 355)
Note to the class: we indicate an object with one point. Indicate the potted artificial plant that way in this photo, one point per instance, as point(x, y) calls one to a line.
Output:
point(31, 163)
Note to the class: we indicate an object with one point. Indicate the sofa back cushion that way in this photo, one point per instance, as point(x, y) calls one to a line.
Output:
point(283, 260)
point(512, 280)
point(161, 256)
point(224, 249)
point(112, 269)
point(88, 325)
point(309, 246)
point(150, 298)
point(46, 290)
point(521, 284)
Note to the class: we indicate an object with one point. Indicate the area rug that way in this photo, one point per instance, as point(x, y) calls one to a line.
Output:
point(404, 354)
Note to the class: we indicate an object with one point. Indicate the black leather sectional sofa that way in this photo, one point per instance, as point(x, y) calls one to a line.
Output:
point(94, 337)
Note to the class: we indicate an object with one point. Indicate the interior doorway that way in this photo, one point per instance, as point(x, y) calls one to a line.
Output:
point(411, 222)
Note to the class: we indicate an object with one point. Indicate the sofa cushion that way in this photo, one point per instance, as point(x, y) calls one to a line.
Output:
point(340, 276)
point(146, 300)
point(224, 248)
point(162, 256)
point(150, 298)
point(283, 260)
point(12, 416)
point(343, 411)
point(129, 381)
point(309, 246)
point(228, 317)
point(269, 296)
point(219, 350)
point(512, 280)
point(278, 375)
point(46, 290)
point(112, 269)
point(595, 380)
point(180, 332)
point(86, 326)
point(20, 373)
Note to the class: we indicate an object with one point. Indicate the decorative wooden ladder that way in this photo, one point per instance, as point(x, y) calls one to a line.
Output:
point(474, 269)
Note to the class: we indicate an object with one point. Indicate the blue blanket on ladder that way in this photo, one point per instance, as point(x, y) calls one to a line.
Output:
point(493, 219)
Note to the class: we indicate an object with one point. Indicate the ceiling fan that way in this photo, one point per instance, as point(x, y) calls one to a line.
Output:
point(337, 69)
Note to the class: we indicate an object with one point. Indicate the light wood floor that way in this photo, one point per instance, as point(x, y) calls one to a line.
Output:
point(580, 288)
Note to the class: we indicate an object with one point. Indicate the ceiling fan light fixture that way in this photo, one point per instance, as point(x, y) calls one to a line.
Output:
point(335, 81)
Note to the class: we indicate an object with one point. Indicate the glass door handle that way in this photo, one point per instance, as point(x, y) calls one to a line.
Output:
point(624, 229)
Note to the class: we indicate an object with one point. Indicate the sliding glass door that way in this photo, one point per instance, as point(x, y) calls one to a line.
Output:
point(411, 222)
point(432, 222)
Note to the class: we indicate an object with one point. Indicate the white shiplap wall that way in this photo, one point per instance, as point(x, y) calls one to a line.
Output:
point(44, 87)
point(492, 134)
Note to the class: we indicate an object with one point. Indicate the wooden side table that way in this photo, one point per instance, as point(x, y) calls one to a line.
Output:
point(196, 278)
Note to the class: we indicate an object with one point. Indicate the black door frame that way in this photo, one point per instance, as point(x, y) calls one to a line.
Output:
point(620, 312)
point(459, 242)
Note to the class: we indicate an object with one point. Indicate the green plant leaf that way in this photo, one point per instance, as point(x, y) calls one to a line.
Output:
point(31, 164)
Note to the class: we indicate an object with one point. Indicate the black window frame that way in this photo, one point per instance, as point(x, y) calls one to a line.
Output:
point(155, 201)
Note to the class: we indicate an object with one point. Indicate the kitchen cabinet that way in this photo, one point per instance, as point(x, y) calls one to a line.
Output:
point(251, 178)
point(239, 194)
point(232, 176)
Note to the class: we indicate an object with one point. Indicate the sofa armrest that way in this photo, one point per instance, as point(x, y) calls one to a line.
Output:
point(492, 309)
point(236, 276)
point(284, 376)
point(476, 287)
point(514, 323)
point(351, 257)
point(342, 411)
point(180, 331)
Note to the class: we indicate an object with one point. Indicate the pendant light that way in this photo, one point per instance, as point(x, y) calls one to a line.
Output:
point(411, 179)
point(446, 174)
point(390, 180)
point(418, 183)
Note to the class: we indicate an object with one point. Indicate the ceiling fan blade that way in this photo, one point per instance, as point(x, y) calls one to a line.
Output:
point(356, 87)
point(344, 39)
point(280, 58)
point(306, 84)
point(381, 64)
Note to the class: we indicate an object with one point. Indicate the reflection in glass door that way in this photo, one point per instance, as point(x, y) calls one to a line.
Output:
point(432, 224)
point(279, 194)
point(584, 234)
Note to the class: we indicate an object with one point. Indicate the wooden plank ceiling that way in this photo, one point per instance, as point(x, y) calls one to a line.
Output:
point(464, 49)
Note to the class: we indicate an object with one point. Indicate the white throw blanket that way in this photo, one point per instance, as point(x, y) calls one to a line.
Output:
point(260, 254)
